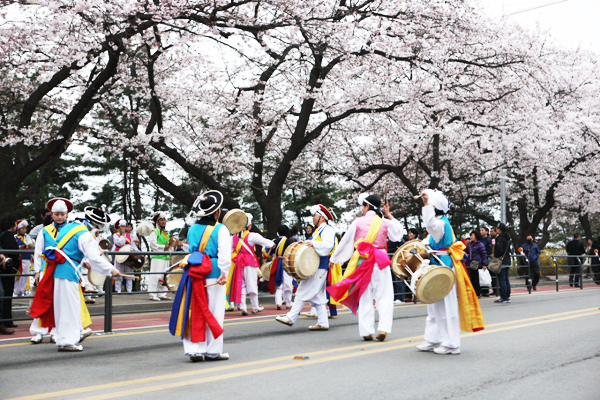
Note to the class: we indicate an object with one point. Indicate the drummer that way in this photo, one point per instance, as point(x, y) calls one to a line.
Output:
point(280, 282)
point(122, 238)
point(200, 323)
point(158, 240)
point(368, 279)
point(57, 301)
point(442, 326)
point(245, 259)
point(313, 289)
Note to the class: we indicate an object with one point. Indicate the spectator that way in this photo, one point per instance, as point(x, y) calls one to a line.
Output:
point(476, 260)
point(532, 252)
point(3, 329)
point(8, 228)
point(575, 249)
point(407, 295)
point(502, 250)
point(24, 242)
point(308, 231)
point(486, 240)
point(595, 261)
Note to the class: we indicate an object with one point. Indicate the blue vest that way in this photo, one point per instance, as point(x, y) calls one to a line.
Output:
point(444, 243)
point(71, 249)
point(323, 260)
point(194, 237)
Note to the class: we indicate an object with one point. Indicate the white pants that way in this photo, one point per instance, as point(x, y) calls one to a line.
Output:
point(36, 329)
point(313, 291)
point(284, 292)
point(442, 325)
point(249, 286)
point(21, 281)
point(216, 304)
point(124, 269)
point(67, 312)
point(380, 289)
point(157, 265)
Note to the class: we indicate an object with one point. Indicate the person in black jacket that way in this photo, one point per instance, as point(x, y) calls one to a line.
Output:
point(575, 248)
point(8, 228)
point(502, 250)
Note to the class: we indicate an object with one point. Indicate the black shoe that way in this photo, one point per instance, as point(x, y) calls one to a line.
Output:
point(534, 288)
point(11, 325)
point(570, 284)
point(574, 286)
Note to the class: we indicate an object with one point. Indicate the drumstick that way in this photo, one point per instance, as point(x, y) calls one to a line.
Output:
point(128, 276)
point(211, 284)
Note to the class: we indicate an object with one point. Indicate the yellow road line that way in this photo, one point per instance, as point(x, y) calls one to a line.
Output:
point(375, 348)
point(295, 364)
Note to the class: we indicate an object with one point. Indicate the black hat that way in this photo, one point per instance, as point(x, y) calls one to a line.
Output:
point(207, 203)
point(96, 216)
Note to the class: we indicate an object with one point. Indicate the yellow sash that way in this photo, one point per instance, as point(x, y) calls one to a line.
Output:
point(86, 319)
point(203, 242)
point(371, 236)
point(471, 317)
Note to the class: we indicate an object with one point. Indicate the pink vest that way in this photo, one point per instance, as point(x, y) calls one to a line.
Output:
point(128, 236)
point(245, 258)
point(362, 228)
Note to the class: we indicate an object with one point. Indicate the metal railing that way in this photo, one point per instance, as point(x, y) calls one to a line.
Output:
point(109, 311)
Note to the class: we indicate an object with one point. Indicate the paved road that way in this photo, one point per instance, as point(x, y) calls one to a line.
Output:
point(541, 346)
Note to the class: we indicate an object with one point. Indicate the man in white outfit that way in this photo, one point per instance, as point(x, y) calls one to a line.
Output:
point(370, 228)
point(313, 289)
point(442, 326)
point(65, 245)
point(158, 240)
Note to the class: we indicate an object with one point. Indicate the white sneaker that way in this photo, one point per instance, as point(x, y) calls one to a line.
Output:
point(37, 339)
point(427, 346)
point(84, 334)
point(284, 320)
point(398, 302)
point(259, 309)
point(446, 350)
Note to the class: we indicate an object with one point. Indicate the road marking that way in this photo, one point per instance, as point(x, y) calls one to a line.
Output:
point(288, 362)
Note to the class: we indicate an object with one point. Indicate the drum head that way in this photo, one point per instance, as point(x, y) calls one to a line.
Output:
point(96, 278)
point(265, 271)
point(435, 284)
point(176, 259)
point(408, 251)
point(122, 258)
point(235, 220)
point(300, 260)
point(173, 277)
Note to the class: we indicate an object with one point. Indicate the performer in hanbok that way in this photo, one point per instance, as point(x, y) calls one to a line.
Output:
point(199, 306)
point(25, 242)
point(122, 238)
point(280, 282)
point(245, 275)
point(58, 299)
point(313, 289)
point(158, 240)
point(368, 276)
point(444, 320)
